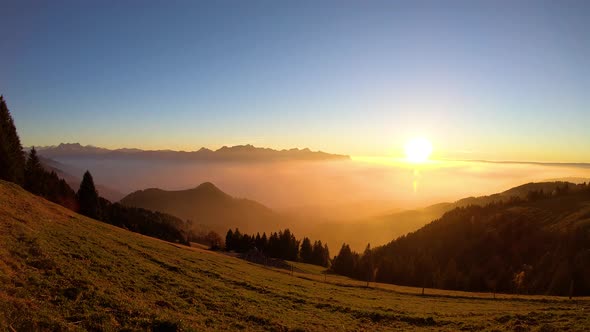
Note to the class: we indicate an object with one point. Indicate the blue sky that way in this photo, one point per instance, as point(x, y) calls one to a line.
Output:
point(502, 80)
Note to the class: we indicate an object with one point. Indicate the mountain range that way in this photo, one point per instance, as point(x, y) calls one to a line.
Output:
point(225, 153)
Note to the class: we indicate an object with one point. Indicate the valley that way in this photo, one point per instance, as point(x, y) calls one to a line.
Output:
point(60, 270)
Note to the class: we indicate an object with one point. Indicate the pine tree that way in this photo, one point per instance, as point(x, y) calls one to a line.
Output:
point(257, 242)
point(346, 262)
point(34, 174)
point(264, 242)
point(274, 245)
point(237, 240)
point(289, 247)
point(321, 254)
point(12, 158)
point(306, 252)
point(367, 264)
point(229, 240)
point(88, 197)
point(326, 256)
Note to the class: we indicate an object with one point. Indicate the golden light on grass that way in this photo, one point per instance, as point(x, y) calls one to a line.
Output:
point(418, 150)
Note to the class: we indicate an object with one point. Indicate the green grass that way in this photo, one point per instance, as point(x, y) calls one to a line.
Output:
point(62, 271)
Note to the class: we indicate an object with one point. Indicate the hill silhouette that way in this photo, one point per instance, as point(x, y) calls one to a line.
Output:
point(403, 222)
point(382, 228)
point(207, 207)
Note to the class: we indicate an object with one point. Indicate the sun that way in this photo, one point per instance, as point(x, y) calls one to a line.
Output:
point(418, 150)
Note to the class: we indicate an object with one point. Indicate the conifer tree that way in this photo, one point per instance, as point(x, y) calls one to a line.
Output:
point(321, 254)
point(367, 264)
point(88, 197)
point(326, 256)
point(306, 251)
point(12, 158)
point(345, 262)
point(229, 240)
point(264, 242)
point(34, 174)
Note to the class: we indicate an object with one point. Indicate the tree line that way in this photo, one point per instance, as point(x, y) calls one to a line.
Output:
point(282, 244)
point(27, 171)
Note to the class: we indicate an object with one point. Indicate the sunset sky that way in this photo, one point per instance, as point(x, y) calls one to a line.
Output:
point(359, 78)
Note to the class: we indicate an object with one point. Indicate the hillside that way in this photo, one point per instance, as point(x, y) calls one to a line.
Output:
point(519, 191)
point(381, 229)
point(540, 244)
point(208, 208)
point(62, 271)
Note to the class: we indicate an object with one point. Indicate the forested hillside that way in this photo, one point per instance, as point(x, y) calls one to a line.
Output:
point(538, 244)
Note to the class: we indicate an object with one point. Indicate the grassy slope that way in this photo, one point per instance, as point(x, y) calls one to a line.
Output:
point(61, 271)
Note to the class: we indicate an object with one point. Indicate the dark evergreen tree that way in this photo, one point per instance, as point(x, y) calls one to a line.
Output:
point(229, 240)
point(346, 262)
point(12, 158)
point(88, 197)
point(367, 264)
point(264, 242)
point(246, 243)
point(306, 252)
point(237, 240)
point(34, 174)
point(321, 254)
point(326, 256)
point(260, 242)
point(289, 246)
point(273, 245)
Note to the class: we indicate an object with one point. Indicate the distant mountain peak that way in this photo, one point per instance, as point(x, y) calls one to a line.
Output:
point(69, 145)
point(209, 187)
point(240, 148)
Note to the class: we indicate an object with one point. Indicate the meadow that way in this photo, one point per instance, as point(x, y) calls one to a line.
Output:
point(62, 271)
